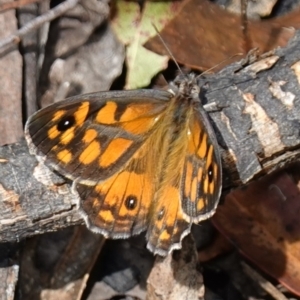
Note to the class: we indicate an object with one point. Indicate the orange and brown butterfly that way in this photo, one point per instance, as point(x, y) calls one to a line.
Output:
point(139, 160)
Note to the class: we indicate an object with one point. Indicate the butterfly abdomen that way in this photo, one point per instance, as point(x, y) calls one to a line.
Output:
point(173, 146)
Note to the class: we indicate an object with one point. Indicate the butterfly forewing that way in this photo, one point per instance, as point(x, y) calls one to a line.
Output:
point(90, 138)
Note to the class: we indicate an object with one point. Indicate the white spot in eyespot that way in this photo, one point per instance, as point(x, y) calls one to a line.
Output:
point(189, 132)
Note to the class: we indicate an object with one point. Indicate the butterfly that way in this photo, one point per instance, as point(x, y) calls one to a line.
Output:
point(139, 160)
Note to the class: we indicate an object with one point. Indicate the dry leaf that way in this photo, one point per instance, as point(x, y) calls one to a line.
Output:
point(216, 35)
point(262, 221)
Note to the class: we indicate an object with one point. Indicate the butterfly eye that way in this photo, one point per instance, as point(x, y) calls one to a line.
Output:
point(66, 123)
point(210, 173)
point(131, 202)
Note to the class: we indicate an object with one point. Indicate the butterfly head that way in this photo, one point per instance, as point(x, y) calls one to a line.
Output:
point(186, 86)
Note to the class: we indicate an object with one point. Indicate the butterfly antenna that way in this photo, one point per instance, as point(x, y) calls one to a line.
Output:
point(177, 65)
point(220, 63)
point(167, 48)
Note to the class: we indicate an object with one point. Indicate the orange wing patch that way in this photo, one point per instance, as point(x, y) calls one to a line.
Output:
point(134, 117)
point(139, 126)
point(67, 136)
point(89, 136)
point(81, 113)
point(201, 152)
point(53, 133)
point(58, 114)
point(116, 148)
point(136, 110)
point(90, 153)
point(65, 156)
point(201, 204)
point(106, 115)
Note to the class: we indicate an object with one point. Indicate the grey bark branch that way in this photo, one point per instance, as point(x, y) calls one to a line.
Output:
point(29, 207)
point(258, 124)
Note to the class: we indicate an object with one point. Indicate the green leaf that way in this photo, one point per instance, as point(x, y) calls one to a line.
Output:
point(134, 27)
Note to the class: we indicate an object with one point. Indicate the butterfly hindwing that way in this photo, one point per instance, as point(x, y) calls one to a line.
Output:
point(167, 226)
point(201, 184)
point(119, 206)
point(122, 205)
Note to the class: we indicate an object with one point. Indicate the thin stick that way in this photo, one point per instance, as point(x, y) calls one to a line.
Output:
point(52, 14)
point(266, 285)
